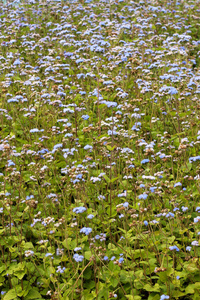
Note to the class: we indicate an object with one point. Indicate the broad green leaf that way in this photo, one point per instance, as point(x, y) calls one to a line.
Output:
point(33, 294)
point(149, 288)
point(10, 295)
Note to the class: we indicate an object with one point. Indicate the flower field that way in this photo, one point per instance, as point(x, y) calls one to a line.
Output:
point(100, 149)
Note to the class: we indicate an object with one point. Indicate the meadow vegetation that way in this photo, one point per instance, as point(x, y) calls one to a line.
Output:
point(100, 149)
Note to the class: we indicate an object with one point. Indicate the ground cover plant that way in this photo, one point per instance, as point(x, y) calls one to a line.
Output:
point(99, 150)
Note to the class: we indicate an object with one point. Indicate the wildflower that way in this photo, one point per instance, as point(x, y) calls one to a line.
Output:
point(144, 161)
point(105, 258)
point(34, 130)
point(49, 254)
point(10, 163)
point(59, 251)
point(197, 219)
point(77, 249)
point(143, 196)
point(79, 210)
point(121, 260)
point(170, 215)
point(184, 208)
point(124, 194)
point(87, 147)
point(60, 269)
point(86, 230)
point(163, 297)
point(78, 258)
point(146, 223)
point(90, 216)
point(175, 209)
point(188, 248)
point(28, 253)
point(142, 185)
point(194, 158)
point(177, 184)
point(85, 117)
point(195, 243)
point(174, 248)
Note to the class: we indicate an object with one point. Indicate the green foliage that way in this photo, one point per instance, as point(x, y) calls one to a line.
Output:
point(99, 150)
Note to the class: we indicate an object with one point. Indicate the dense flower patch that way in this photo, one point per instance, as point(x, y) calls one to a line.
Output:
point(99, 149)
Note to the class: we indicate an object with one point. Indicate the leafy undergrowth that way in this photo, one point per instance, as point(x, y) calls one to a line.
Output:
point(99, 150)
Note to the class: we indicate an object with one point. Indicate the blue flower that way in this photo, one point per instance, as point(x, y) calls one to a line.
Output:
point(90, 216)
point(194, 158)
point(143, 196)
point(105, 258)
point(17, 62)
point(77, 249)
point(163, 297)
point(60, 269)
point(188, 248)
point(144, 161)
point(87, 147)
point(85, 117)
point(170, 215)
point(174, 248)
point(48, 254)
point(10, 163)
point(197, 219)
point(177, 184)
point(146, 223)
point(121, 260)
point(78, 258)
point(142, 185)
point(86, 230)
point(184, 208)
point(152, 189)
point(195, 243)
point(79, 210)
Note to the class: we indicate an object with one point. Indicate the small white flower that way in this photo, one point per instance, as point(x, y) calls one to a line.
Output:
point(28, 253)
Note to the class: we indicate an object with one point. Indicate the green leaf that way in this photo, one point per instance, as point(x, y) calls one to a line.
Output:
point(190, 289)
point(33, 294)
point(114, 281)
point(19, 274)
point(87, 273)
point(192, 267)
point(114, 179)
point(149, 288)
point(88, 254)
point(110, 148)
point(10, 295)
point(154, 296)
point(131, 297)
point(106, 178)
point(69, 244)
point(2, 268)
point(28, 246)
